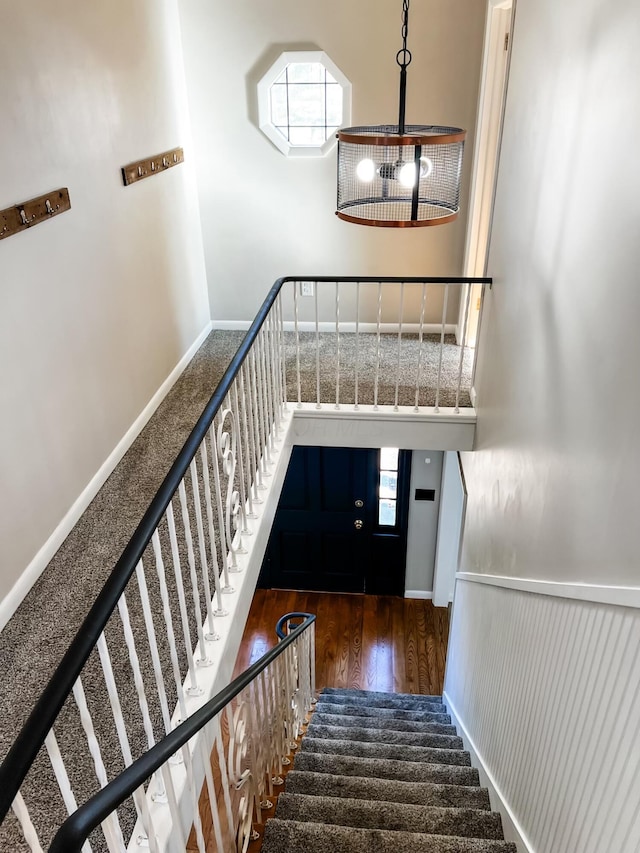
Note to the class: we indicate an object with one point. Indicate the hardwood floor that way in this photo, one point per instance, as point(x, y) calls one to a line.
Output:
point(367, 642)
point(370, 642)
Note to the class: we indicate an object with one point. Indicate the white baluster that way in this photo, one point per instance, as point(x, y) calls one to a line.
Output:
point(153, 642)
point(250, 413)
point(139, 797)
point(111, 824)
point(160, 792)
point(357, 369)
point(224, 774)
point(212, 634)
point(255, 407)
point(249, 474)
point(462, 345)
point(297, 332)
point(194, 689)
point(177, 677)
point(400, 318)
point(224, 547)
point(168, 621)
point(227, 453)
point(62, 778)
point(240, 457)
point(420, 345)
point(26, 824)
point(317, 319)
point(262, 408)
point(204, 659)
point(444, 320)
point(219, 611)
point(211, 790)
point(283, 354)
point(268, 391)
point(377, 373)
point(274, 371)
point(337, 345)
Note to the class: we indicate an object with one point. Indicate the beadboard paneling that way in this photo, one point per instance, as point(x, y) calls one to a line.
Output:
point(549, 691)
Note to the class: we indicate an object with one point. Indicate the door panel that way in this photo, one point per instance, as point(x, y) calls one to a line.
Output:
point(321, 540)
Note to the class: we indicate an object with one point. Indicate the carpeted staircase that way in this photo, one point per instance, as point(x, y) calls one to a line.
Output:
point(383, 773)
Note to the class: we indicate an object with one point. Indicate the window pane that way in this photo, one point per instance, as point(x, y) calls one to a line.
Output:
point(334, 105)
point(306, 106)
point(305, 72)
point(387, 513)
point(389, 458)
point(279, 116)
point(388, 484)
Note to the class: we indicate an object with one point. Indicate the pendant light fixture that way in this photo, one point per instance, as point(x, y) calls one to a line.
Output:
point(401, 175)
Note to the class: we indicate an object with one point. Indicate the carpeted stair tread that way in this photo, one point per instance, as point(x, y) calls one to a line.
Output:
point(382, 768)
point(383, 713)
point(377, 814)
point(304, 837)
point(377, 694)
point(390, 790)
point(389, 700)
point(384, 736)
point(387, 723)
point(381, 750)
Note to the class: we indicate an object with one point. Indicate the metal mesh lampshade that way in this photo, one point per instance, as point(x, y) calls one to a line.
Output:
point(394, 179)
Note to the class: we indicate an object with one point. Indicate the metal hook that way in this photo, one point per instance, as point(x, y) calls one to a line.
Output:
point(51, 210)
point(23, 216)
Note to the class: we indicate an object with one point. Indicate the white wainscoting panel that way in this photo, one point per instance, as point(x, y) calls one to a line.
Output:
point(548, 689)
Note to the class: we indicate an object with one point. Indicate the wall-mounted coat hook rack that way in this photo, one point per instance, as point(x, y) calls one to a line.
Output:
point(21, 216)
point(151, 166)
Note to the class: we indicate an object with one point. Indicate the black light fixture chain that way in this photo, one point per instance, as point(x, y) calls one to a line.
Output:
point(403, 58)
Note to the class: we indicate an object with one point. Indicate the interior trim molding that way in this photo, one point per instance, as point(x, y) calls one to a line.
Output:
point(420, 594)
point(621, 596)
point(511, 828)
point(30, 575)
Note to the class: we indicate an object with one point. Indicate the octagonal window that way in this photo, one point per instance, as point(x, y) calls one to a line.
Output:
point(302, 101)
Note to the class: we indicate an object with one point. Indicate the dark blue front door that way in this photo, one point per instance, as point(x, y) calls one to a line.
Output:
point(326, 535)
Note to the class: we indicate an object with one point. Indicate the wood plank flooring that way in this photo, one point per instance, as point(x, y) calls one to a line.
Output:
point(369, 642)
point(366, 642)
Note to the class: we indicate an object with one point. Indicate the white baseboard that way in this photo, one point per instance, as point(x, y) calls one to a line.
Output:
point(418, 593)
point(328, 326)
point(30, 575)
point(510, 826)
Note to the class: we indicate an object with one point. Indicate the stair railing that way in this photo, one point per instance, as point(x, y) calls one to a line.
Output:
point(252, 725)
point(194, 535)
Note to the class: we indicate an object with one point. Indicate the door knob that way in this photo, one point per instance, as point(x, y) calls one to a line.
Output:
point(358, 524)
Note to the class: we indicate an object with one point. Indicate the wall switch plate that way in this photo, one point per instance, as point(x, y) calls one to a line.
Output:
point(306, 288)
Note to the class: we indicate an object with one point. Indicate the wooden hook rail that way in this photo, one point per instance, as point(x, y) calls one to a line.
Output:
point(142, 169)
point(25, 215)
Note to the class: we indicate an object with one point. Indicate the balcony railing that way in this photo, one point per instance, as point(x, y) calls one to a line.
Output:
point(139, 661)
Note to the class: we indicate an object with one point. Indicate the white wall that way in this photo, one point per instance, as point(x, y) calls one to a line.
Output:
point(450, 523)
point(422, 527)
point(264, 215)
point(553, 486)
point(98, 305)
point(544, 688)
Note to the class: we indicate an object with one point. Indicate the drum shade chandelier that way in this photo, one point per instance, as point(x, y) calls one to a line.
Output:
point(403, 175)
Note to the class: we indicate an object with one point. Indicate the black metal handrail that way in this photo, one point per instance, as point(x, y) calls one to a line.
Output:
point(75, 830)
point(31, 737)
point(284, 623)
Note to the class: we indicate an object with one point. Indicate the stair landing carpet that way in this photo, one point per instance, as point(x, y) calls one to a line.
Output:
point(383, 773)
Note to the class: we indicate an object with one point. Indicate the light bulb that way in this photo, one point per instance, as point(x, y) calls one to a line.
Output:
point(407, 173)
point(366, 170)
